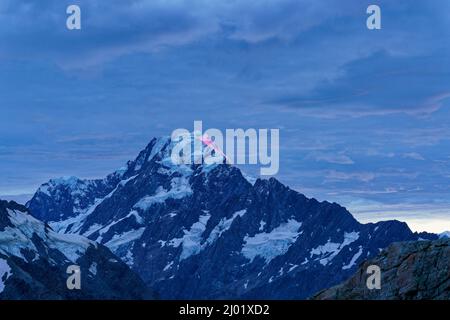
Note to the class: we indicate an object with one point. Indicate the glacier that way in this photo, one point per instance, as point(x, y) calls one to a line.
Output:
point(268, 245)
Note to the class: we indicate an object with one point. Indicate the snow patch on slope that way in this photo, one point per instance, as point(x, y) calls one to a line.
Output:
point(191, 241)
point(104, 229)
point(14, 240)
point(159, 145)
point(74, 224)
point(223, 225)
point(5, 273)
point(269, 245)
point(330, 249)
point(180, 188)
point(119, 240)
point(93, 269)
point(123, 244)
point(353, 260)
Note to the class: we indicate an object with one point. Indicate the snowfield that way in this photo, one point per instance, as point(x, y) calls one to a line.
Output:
point(14, 240)
point(5, 273)
point(192, 238)
point(272, 244)
point(330, 249)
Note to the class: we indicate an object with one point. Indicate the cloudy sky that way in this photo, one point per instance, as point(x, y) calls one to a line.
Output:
point(363, 114)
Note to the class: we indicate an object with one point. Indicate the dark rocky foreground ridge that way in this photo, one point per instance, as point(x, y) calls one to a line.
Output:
point(409, 271)
point(208, 232)
point(34, 261)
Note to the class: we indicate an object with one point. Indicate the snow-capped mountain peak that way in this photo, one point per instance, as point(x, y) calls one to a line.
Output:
point(160, 150)
point(71, 197)
point(199, 231)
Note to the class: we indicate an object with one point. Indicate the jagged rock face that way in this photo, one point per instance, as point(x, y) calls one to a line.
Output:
point(34, 261)
point(65, 198)
point(198, 231)
point(427, 236)
point(409, 271)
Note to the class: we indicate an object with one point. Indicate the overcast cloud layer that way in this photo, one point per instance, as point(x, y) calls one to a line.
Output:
point(363, 115)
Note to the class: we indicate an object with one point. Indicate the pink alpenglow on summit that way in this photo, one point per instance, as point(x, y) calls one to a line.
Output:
point(249, 146)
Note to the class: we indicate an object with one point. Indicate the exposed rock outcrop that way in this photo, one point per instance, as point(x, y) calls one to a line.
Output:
point(409, 271)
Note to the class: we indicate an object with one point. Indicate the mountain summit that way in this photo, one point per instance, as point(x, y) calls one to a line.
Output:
point(199, 231)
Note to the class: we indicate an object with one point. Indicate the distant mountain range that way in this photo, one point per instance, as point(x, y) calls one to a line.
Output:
point(206, 232)
point(34, 261)
point(445, 234)
point(19, 198)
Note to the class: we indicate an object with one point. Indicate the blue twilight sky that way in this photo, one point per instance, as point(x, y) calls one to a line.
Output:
point(364, 115)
